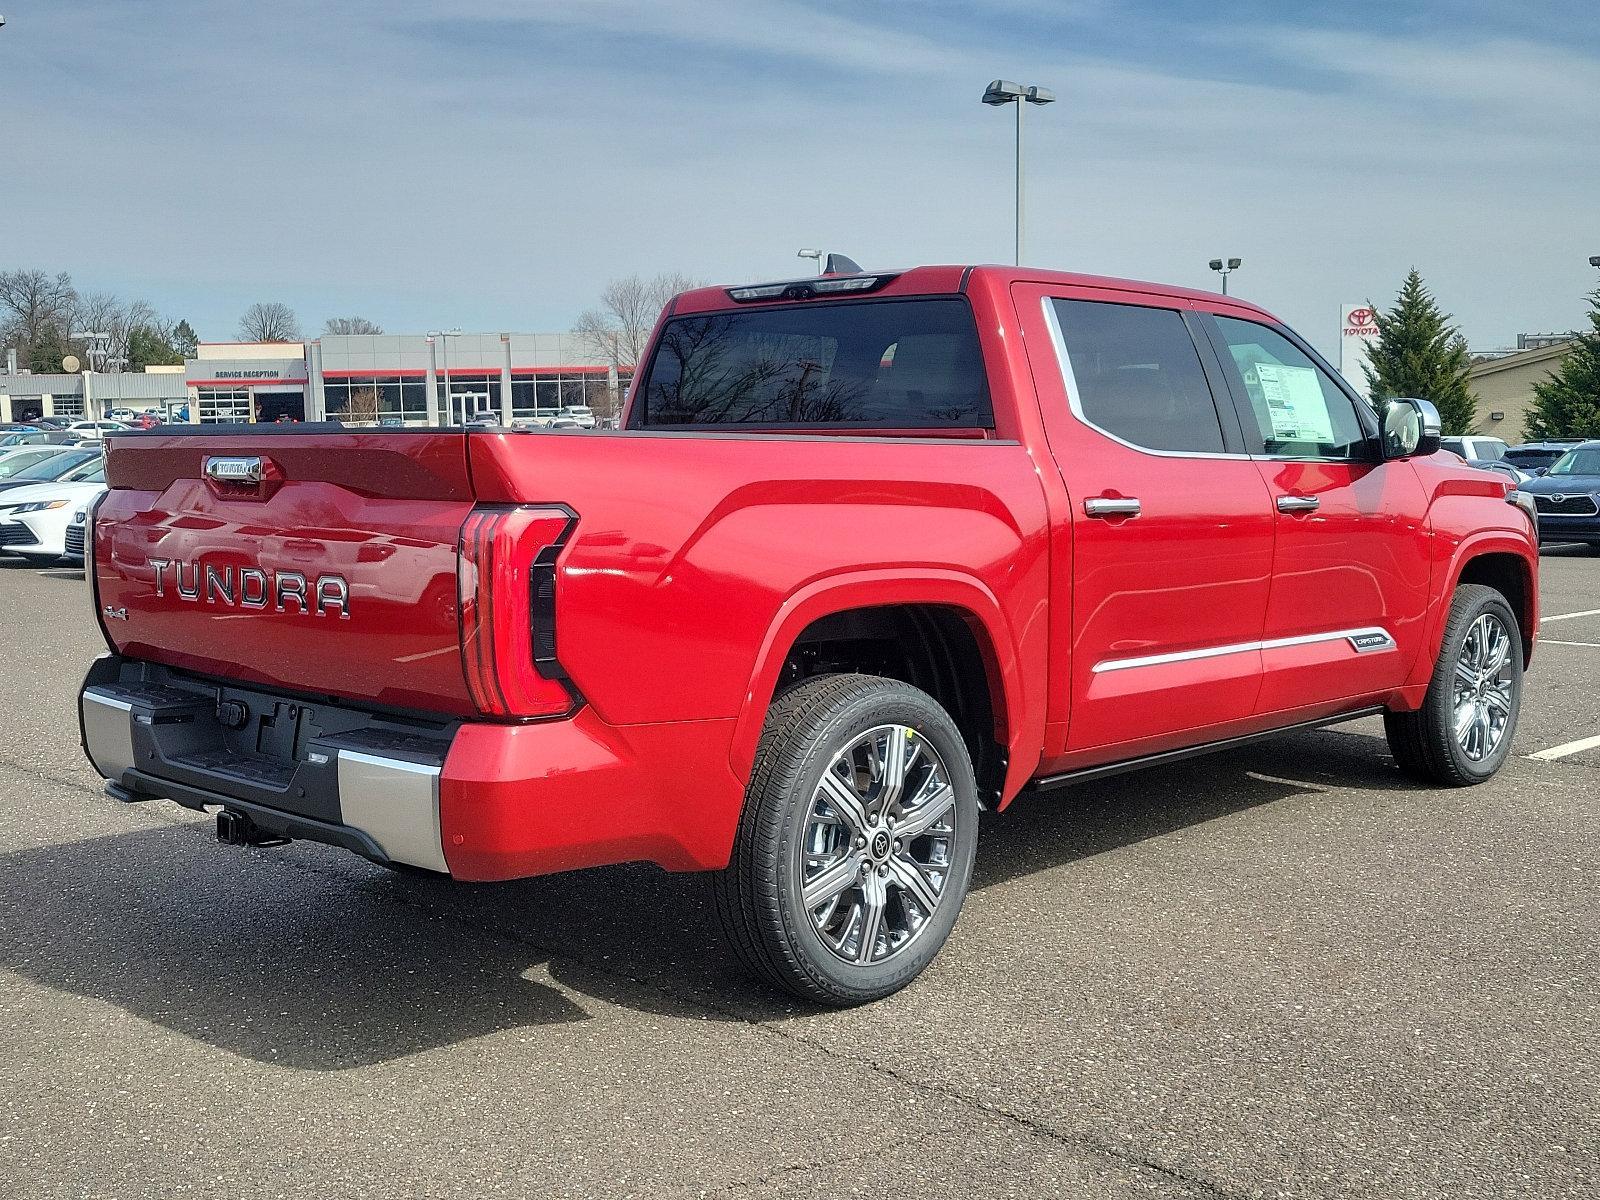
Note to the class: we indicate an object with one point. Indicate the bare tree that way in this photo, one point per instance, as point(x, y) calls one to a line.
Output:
point(108, 314)
point(269, 321)
point(35, 309)
point(363, 408)
point(618, 330)
point(338, 325)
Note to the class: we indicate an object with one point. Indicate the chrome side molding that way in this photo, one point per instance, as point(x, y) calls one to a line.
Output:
point(1370, 640)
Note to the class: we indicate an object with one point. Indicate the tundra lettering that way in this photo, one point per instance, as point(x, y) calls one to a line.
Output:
point(870, 553)
point(326, 593)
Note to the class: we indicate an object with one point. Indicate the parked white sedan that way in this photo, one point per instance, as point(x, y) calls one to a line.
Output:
point(34, 520)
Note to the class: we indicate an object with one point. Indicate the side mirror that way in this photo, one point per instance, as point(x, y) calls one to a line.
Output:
point(1539, 472)
point(1410, 428)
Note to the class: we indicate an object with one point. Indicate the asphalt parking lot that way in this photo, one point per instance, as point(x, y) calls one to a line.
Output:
point(1276, 972)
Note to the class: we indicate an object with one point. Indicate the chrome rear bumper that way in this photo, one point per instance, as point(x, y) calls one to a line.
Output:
point(371, 789)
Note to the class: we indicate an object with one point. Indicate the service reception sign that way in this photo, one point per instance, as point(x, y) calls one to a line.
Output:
point(1358, 328)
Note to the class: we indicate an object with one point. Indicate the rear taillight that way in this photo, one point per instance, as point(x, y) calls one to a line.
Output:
point(508, 619)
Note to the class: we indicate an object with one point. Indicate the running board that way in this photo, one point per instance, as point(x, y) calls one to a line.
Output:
point(1049, 782)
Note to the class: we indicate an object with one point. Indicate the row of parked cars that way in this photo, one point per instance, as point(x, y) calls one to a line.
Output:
point(1562, 475)
point(46, 487)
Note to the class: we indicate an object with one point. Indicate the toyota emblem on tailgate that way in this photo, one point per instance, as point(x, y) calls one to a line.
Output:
point(234, 470)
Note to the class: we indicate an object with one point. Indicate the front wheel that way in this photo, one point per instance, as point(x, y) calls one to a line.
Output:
point(856, 844)
point(1462, 733)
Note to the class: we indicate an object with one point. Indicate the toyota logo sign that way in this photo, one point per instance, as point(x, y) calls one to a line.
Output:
point(1362, 316)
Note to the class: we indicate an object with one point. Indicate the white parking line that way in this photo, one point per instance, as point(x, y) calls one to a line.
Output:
point(1566, 748)
point(1553, 642)
point(1590, 612)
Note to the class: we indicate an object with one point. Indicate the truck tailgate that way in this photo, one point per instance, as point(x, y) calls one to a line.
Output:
point(324, 563)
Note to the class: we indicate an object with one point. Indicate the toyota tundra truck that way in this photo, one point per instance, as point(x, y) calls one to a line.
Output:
point(869, 553)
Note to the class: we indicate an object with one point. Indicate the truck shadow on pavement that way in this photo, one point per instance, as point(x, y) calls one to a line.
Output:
point(309, 959)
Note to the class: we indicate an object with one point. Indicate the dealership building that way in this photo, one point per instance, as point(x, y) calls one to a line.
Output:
point(411, 379)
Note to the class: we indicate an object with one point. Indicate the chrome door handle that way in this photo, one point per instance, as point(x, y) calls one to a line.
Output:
point(1104, 506)
point(1294, 504)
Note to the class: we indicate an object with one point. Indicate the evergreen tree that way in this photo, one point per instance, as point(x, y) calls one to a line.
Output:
point(1419, 353)
point(1567, 402)
point(184, 339)
point(149, 347)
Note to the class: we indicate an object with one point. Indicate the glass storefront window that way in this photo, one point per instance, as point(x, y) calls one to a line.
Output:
point(399, 399)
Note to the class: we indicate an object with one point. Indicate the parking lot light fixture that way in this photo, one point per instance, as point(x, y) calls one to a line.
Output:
point(1594, 260)
point(812, 254)
point(1225, 267)
point(1001, 92)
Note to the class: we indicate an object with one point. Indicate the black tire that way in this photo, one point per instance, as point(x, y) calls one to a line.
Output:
point(759, 894)
point(1424, 742)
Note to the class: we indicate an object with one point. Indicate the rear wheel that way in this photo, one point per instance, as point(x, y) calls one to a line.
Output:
point(856, 844)
point(1462, 733)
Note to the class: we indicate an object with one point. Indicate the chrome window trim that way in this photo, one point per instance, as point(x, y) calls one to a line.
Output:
point(1070, 382)
point(1354, 636)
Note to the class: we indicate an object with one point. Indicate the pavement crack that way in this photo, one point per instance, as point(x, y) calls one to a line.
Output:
point(792, 1170)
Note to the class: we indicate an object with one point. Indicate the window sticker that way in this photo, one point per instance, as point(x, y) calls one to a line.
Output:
point(1295, 401)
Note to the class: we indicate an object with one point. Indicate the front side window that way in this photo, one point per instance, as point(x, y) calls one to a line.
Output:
point(1138, 376)
point(1299, 411)
point(888, 364)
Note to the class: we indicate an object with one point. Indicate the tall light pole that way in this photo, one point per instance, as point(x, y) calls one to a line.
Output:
point(1218, 266)
point(1594, 260)
point(443, 336)
point(815, 254)
point(1003, 91)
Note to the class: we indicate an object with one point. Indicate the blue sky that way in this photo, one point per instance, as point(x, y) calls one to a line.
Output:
point(491, 164)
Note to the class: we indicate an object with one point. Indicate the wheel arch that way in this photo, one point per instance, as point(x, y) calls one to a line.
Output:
point(962, 631)
point(1497, 559)
point(1513, 577)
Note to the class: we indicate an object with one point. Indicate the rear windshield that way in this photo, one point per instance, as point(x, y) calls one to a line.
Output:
point(888, 364)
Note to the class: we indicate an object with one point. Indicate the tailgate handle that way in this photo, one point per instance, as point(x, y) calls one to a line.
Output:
point(242, 469)
point(242, 476)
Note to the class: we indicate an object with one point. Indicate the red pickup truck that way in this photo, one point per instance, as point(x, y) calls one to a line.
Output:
point(869, 553)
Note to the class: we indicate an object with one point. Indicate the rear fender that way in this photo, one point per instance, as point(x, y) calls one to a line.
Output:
point(1019, 724)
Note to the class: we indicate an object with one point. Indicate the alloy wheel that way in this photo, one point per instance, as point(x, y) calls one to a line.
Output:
point(1483, 687)
point(879, 836)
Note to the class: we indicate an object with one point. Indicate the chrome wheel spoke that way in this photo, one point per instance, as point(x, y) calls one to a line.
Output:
point(831, 880)
point(871, 923)
point(893, 766)
point(845, 801)
point(1497, 658)
point(926, 814)
point(909, 876)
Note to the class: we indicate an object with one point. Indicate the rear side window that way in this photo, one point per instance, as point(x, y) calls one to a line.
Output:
point(1136, 375)
point(888, 364)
